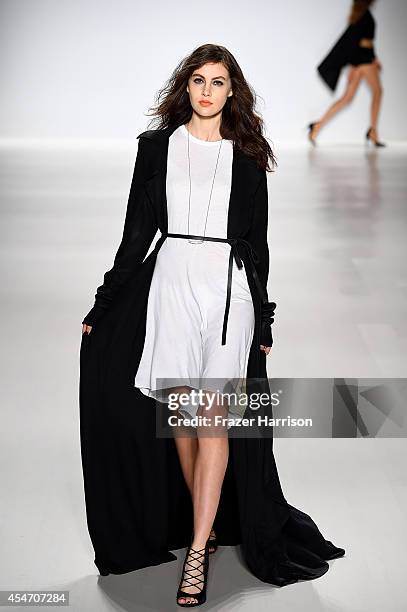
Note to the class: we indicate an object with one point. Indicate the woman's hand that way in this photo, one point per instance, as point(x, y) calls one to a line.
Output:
point(266, 349)
point(86, 328)
point(378, 64)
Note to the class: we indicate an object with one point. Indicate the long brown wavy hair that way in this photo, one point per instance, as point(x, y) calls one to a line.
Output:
point(239, 123)
point(358, 9)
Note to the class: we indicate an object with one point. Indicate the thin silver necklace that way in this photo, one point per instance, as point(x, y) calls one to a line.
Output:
point(200, 240)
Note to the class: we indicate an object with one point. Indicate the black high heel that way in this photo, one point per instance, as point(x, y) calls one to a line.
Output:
point(194, 555)
point(213, 543)
point(310, 128)
point(375, 142)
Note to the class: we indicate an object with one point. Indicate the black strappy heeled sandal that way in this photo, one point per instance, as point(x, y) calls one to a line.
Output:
point(187, 576)
point(376, 143)
point(213, 543)
point(310, 137)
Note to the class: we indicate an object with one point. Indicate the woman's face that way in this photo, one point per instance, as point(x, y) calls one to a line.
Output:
point(210, 84)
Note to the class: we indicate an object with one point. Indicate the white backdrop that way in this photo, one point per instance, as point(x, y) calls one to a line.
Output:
point(90, 68)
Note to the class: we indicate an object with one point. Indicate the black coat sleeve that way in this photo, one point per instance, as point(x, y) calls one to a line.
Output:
point(257, 236)
point(339, 56)
point(140, 227)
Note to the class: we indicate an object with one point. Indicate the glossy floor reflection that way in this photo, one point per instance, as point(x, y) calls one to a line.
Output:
point(339, 276)
point(338, 262)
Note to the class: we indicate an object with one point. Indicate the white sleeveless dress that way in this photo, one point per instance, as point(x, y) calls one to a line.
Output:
point(187, 294)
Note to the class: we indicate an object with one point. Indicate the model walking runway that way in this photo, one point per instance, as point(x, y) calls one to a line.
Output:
point(190, 309)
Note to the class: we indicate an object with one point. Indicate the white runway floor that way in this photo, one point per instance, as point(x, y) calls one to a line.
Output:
point(337, 235)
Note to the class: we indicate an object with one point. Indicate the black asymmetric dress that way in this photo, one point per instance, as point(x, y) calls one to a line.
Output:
point(348, 51)
point(138, 506)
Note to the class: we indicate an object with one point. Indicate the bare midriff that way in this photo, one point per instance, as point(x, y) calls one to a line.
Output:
point(366, 42)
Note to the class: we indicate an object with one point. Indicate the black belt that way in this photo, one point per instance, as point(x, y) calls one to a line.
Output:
point(234, 253)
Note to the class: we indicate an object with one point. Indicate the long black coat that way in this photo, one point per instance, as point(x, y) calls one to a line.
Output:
point(137, 503)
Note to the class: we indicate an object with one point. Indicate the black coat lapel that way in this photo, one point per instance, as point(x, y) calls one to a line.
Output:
point(245, 179)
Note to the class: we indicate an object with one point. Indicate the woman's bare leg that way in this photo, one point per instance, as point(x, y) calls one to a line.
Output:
point(370, 72)
point(187, 451)
point(187, 448)
point(208, 474)
point(354, 77)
